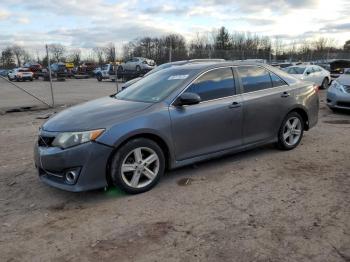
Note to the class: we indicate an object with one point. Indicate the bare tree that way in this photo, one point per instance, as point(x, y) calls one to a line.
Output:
point(76, 56)
point(57, 51)
point(99, 52)
point(110, 52)
point(7, 58)
point(18, 51)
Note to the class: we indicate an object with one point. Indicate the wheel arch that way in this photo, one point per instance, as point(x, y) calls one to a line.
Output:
point(303, 113)
point(148, 135)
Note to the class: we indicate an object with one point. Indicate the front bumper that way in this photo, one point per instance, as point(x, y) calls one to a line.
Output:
point(25, 77)
point(89, 160)
point(338, 99)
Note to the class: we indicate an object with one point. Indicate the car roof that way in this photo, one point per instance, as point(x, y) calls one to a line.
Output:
point(199, 65)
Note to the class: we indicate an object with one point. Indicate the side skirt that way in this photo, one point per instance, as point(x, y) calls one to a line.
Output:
point(218, 154)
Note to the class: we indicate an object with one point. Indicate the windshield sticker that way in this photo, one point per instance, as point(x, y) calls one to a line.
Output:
point(177, 77)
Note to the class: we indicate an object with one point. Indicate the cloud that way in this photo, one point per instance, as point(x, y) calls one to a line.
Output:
point(23, 20)
point(97, 22)
point(4, 14)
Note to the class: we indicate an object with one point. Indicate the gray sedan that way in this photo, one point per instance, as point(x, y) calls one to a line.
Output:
point(171, 118)
point(338, 94)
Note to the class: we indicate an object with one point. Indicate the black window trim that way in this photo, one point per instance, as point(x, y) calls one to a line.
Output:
point(211, 69)
point(268, 70)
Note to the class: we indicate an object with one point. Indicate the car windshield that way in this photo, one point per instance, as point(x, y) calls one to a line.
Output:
point(296, 70)
point(158, 68)
point(157, 86)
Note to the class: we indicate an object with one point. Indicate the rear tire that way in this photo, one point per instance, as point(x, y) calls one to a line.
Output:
point(325, 83)
point(291, 131)
point(137, 166)
point(99, 78)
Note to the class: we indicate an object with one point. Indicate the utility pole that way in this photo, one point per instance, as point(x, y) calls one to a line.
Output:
point(50, 77)
point(115, 68)
point(170, 51)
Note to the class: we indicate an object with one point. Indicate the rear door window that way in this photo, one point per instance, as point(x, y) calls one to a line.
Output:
point(276, 80)
point(214, 84)
point(254, 78)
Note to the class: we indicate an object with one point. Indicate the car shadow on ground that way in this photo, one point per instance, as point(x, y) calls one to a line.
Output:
point(174, 176)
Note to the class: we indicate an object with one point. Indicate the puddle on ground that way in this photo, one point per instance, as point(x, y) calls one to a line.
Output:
point(185, 181)
point(338, 122)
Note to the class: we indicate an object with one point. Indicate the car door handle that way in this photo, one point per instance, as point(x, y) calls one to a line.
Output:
point(235, 105)
point(285, 94)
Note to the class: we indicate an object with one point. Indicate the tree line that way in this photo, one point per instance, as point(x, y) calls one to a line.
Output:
point(172, 47)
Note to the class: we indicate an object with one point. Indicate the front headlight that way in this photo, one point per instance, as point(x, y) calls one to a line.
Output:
point(338, 86)
point(69, 139)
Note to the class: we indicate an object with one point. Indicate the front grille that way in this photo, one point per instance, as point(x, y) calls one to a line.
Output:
point(344, 104)
point(45, 141)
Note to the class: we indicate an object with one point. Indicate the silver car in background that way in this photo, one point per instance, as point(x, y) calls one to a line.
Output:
point(171, 118)
point(312, 73)
point(138, 64)
point(170, 64)
point(338, 94)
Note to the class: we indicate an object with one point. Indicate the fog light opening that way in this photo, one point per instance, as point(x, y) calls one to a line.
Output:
point(71, 177)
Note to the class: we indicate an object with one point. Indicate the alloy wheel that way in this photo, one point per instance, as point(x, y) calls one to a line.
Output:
point(140, 167)
point(292, 131)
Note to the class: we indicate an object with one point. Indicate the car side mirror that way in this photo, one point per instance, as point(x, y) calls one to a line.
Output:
point(308, 73)
point(188, 99)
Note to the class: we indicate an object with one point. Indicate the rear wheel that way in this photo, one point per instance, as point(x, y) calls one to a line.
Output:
point(99, 77)
point(137, 166)
point(291, 131)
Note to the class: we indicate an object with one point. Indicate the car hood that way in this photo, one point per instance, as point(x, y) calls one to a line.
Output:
point(344, 80)
point(100, 113)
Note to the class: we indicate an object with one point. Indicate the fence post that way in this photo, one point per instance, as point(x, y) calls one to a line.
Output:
point(49, 66)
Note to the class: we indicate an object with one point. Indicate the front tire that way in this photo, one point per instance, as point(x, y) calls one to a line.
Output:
point(138, 69)
point(137, 166)
point(291, 131)
point(99, 77)
point(325, 84)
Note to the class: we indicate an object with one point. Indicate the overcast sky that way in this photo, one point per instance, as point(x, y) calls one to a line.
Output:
point(88, 23)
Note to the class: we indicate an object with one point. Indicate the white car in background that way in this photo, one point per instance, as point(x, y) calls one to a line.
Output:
point(312, 73)
point(20, 74)
point(138, 64)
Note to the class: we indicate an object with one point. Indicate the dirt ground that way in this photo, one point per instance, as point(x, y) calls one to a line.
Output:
point(66, 92)
point(261, 205)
